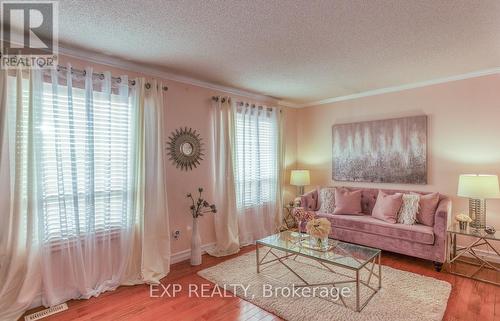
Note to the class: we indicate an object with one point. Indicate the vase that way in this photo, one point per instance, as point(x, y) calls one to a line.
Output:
point(195, 244)
point(320, 243)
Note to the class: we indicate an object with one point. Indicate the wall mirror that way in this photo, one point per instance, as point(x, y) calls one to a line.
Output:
point(185, 148)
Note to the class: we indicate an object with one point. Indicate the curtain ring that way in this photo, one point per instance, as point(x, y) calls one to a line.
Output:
point(119, 80)
point(148, 85)
point(84, 72)
point(101, 76)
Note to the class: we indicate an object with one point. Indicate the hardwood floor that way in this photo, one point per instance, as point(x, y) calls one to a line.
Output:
point(469, 300)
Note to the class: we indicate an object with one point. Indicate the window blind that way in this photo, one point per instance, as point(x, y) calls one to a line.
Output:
point(83, 156)
point(256, 135)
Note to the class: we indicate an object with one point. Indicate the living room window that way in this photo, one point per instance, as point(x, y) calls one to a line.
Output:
point(256, 161)
point(79, 141)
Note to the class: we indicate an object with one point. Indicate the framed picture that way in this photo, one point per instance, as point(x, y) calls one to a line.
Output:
point(382, 151)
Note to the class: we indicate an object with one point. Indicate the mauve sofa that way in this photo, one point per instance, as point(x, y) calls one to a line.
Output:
point(426, 242)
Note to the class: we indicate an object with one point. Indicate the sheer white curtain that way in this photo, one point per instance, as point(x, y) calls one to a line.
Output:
point(226, 219)
point(257, 151)
point(20, 270)
point(248, 170)
point(83, 194)
point(278, 219)
point(153, 229)
point(83, 158)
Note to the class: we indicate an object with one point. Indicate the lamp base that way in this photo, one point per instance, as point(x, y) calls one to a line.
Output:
point(301, 190)
point(477, 212)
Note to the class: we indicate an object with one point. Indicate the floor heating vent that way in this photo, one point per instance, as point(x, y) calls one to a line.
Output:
point(45, 313)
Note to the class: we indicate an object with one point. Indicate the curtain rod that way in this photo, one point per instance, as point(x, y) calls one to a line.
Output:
point(101, 76)
point(241, 103)
point(222, 99)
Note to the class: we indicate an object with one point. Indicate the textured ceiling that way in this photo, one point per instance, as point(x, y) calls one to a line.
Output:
point(298, 51)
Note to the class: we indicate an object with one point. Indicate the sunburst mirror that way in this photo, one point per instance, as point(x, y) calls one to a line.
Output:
point(185, 148)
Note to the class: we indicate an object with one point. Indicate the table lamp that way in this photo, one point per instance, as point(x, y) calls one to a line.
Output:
point(478, 188)
point(300, 178)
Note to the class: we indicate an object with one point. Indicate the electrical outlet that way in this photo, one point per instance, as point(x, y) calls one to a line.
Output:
point(176, 234)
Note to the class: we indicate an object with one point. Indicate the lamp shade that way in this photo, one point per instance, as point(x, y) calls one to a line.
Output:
point(478, 186)
point(300, 177)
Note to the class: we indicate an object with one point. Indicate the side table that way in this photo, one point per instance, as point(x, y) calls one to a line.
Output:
point(288, 218)
point(469, 261)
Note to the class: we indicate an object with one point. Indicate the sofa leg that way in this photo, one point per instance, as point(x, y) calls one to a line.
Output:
point(438, 266)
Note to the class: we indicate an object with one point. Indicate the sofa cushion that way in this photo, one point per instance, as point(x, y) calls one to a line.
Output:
point(387, 206)
point(417, 233)
point(310, 200)
point(408, 211)
point(428, 205)
point(327, 199)
point(369, 197)
point(347, 202)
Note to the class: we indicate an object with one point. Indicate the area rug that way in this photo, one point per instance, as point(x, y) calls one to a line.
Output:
point(404, 296)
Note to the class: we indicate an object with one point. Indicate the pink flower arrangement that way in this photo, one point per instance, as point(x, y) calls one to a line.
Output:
point(319, 228)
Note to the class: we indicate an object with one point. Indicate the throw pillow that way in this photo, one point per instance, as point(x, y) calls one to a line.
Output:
point(327, 200)
point(347, 202)
point(428, 205)
point(408, 212)
point(387, 206)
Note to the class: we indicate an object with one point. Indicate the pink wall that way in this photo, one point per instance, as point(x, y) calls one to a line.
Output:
point(188, 105)
point(463, 134)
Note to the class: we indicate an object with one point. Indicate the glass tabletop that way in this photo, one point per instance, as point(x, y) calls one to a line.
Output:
point(340, 253)
point(470, 231)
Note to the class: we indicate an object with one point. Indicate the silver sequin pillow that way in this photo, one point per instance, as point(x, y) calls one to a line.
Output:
point(327, 200)
point(409, 209)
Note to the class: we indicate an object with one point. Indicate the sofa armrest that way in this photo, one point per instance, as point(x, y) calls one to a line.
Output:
point(440, 228)
point(309, 201)
point(441, 217)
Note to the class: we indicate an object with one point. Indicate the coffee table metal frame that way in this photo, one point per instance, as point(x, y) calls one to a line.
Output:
point(328, 265)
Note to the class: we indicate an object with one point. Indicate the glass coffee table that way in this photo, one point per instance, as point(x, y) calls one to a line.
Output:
point(362, 261)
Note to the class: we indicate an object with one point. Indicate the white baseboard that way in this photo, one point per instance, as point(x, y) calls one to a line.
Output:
point(184, 255)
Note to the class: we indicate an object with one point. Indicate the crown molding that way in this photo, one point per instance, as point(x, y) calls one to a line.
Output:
point(289, 104)
point(473, 74)
point(94, 57)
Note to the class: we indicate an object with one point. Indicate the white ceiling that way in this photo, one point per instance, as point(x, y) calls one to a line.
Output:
point(299, 51)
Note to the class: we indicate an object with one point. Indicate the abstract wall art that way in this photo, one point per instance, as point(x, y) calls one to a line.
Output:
point(382, 151)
